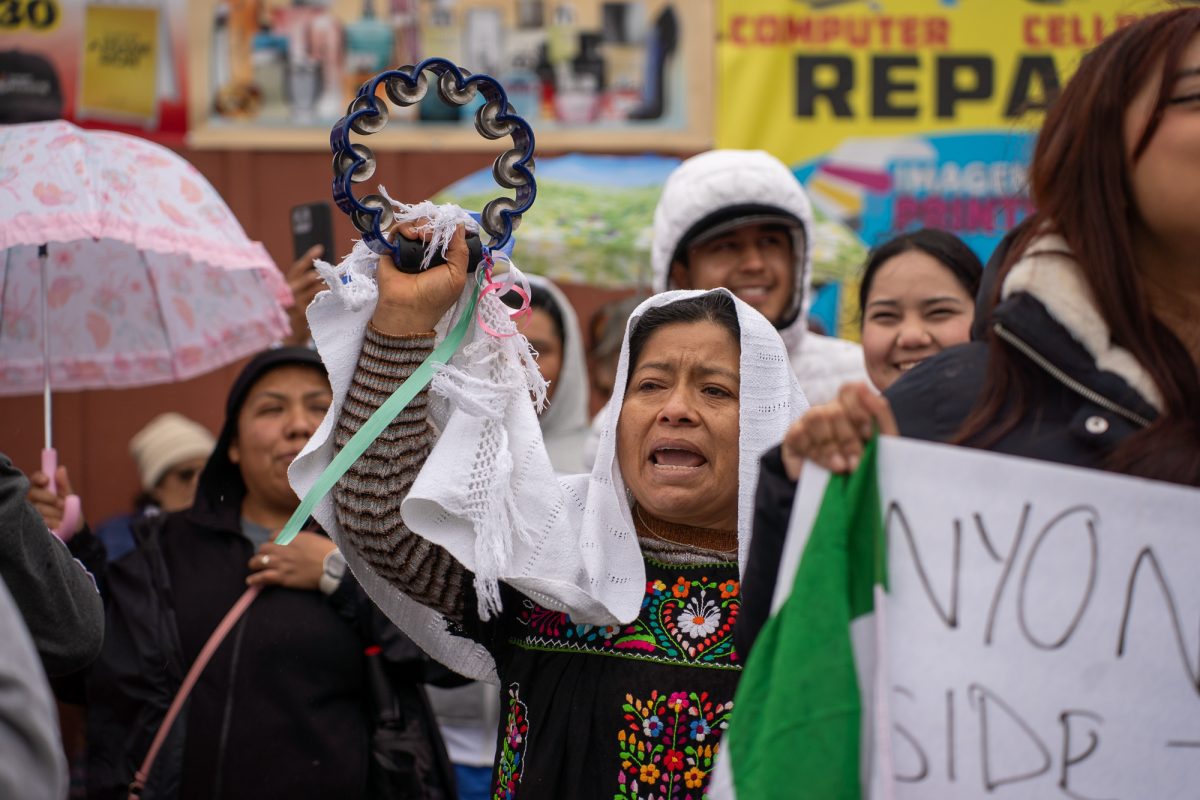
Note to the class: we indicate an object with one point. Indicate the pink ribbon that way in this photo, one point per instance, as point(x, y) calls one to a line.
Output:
point(501, 288)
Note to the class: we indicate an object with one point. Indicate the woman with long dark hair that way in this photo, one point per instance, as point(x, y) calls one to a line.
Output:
point(1090, 349)
point(1086, 352)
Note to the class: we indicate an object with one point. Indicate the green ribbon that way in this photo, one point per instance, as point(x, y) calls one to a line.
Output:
point(382, 417)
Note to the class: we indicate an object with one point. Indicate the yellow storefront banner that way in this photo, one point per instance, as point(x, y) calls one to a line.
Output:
point(901, 114)
point(798, 77)
point(119, 66)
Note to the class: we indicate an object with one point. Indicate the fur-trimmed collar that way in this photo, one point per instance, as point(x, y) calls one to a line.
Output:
point(1048, 272)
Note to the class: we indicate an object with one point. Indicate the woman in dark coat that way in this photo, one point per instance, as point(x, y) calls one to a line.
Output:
point(283, 709)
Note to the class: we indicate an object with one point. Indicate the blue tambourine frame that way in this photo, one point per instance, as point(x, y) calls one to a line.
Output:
point(406, 86)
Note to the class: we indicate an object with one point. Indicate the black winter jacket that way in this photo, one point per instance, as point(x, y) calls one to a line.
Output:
point(284, 707)
point(281, 710)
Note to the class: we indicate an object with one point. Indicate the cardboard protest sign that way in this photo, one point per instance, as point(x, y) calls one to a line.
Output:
point(1040, 634)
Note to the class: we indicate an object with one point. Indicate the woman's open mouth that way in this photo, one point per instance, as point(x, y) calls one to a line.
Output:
point(677, 458)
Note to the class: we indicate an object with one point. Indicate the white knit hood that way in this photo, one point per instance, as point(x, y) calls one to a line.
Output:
point(565, 421)
point(719, 179)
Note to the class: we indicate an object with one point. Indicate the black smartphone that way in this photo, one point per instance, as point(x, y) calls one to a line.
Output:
point(312, 223)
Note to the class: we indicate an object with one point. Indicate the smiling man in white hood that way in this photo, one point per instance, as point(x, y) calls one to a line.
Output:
point(740, 219)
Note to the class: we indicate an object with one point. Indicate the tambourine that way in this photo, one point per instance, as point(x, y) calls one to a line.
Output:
point(495, 119)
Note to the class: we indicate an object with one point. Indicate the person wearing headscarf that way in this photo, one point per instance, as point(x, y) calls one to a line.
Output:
point(552, 329)
point(284, 708)
point(602, 604)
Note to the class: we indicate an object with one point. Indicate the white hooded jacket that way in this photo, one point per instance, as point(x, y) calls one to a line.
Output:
point(718, 179)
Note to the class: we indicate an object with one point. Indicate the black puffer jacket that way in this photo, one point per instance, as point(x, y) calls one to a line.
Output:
point(283, 709)
point(1079, 409)
point(1078, 412)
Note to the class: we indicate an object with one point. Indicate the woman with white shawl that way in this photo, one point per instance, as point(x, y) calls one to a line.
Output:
point(602, 604)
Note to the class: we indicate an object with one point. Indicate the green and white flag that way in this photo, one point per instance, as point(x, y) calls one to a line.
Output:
point(1039, 637)
point(800, 707)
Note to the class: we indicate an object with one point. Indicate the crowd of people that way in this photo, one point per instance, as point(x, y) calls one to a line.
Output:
point(505, 599)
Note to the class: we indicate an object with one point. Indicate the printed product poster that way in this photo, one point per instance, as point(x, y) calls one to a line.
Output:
point(899, 114)
point(99, 64)
point(566, 64)
point(119, 62)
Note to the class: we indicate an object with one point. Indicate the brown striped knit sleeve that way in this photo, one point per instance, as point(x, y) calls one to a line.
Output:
point(367, 498)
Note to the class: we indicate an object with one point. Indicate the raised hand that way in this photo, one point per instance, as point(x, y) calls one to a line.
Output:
point(305, 282)
point(414, 302)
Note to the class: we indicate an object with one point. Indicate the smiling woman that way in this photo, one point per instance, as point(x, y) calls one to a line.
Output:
point(618, 592)
point(917, 297)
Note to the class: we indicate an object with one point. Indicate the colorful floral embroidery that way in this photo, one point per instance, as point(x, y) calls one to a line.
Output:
point(700, 617)
point(686, 618)
point(668, 748)
point(512, 749)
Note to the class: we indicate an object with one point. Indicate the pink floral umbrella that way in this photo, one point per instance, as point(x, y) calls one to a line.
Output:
point(121, 267)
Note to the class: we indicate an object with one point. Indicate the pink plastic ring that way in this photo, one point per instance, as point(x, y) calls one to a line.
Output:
point(498, 288)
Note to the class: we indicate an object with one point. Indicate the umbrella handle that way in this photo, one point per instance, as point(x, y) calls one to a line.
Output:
point(73, 509)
